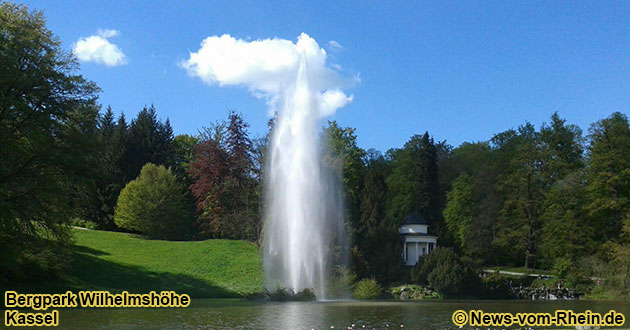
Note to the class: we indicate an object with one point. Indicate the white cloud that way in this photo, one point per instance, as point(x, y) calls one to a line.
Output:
point(334, 45)
point(332, 100)
point(108, 33)
point(268, 67)
point(98, 49)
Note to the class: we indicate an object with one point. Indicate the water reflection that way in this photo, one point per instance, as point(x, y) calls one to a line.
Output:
point(285, 316)
point(242, 314)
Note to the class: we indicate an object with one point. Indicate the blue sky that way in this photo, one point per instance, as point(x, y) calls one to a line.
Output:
point(461, 70)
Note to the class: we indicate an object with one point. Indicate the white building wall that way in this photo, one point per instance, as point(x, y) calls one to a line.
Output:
point(416, 246)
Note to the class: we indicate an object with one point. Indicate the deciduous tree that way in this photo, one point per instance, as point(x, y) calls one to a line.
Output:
point(154, 204)
point(47, 127)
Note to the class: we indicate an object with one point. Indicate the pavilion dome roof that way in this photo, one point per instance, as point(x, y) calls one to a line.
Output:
point(414, 219)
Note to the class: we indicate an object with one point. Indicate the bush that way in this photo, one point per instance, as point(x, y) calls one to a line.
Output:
point(154, 204)
point(496, 286)
point(340, 283)
point(286, 294)
point(78, 222)
point(366, 289)
point(561, 267)
point(443, 270)
point(419, 274)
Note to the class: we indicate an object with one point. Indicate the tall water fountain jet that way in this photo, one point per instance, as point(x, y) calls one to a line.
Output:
point(304, 236)
point(304, 208)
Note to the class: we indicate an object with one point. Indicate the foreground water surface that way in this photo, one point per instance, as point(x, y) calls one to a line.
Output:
point(243, 314)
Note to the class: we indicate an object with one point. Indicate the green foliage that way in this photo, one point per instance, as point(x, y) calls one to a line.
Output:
point(377, 245)
point(48, 132)
point(149, 141)
point(120, 152)
point(599, 292)
point(478, 161)
point(460, 210)
point(608, 175)
point(183, 154)
point(45, 259)
point(565, 230)
point(366, 289)
point(344, 160)
point(561, 267)
point(285, 294)
point(78, 222)
point(579, 280)
point(617, 268)
point(444, 271)
point(526, 197)
point(343, 157)
point(382, 256)
point(154, 205)
point(495, 286)
point(413, 183)
point(340, 283)
point(523, 188)
point(471, 158)
point(225, 182)
point(562, 148)
point(374, 196)
point(109, 178)
point(531, 164)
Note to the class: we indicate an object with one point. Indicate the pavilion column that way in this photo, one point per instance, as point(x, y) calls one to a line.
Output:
point(417, 254)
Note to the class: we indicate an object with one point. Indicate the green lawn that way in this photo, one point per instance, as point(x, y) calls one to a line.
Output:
point(116, 262)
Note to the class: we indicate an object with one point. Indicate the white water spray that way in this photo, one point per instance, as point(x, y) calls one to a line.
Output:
point(304, 232)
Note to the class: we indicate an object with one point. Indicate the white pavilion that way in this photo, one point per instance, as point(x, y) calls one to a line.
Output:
point(416, 239)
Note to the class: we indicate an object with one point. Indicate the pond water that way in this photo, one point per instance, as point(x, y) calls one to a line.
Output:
point(243, 314)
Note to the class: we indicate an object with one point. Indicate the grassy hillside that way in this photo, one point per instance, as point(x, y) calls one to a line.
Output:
point(112, 261)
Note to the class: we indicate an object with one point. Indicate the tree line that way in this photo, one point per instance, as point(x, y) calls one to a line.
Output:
point(548, 198)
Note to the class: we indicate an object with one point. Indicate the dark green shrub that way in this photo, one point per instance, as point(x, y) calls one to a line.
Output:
point(419, 274)
point(496, 286)
point(579, 275)
point(443, 270)
point(304, 295)
point(286, 294)
point(366, 289)
point(154, 204)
